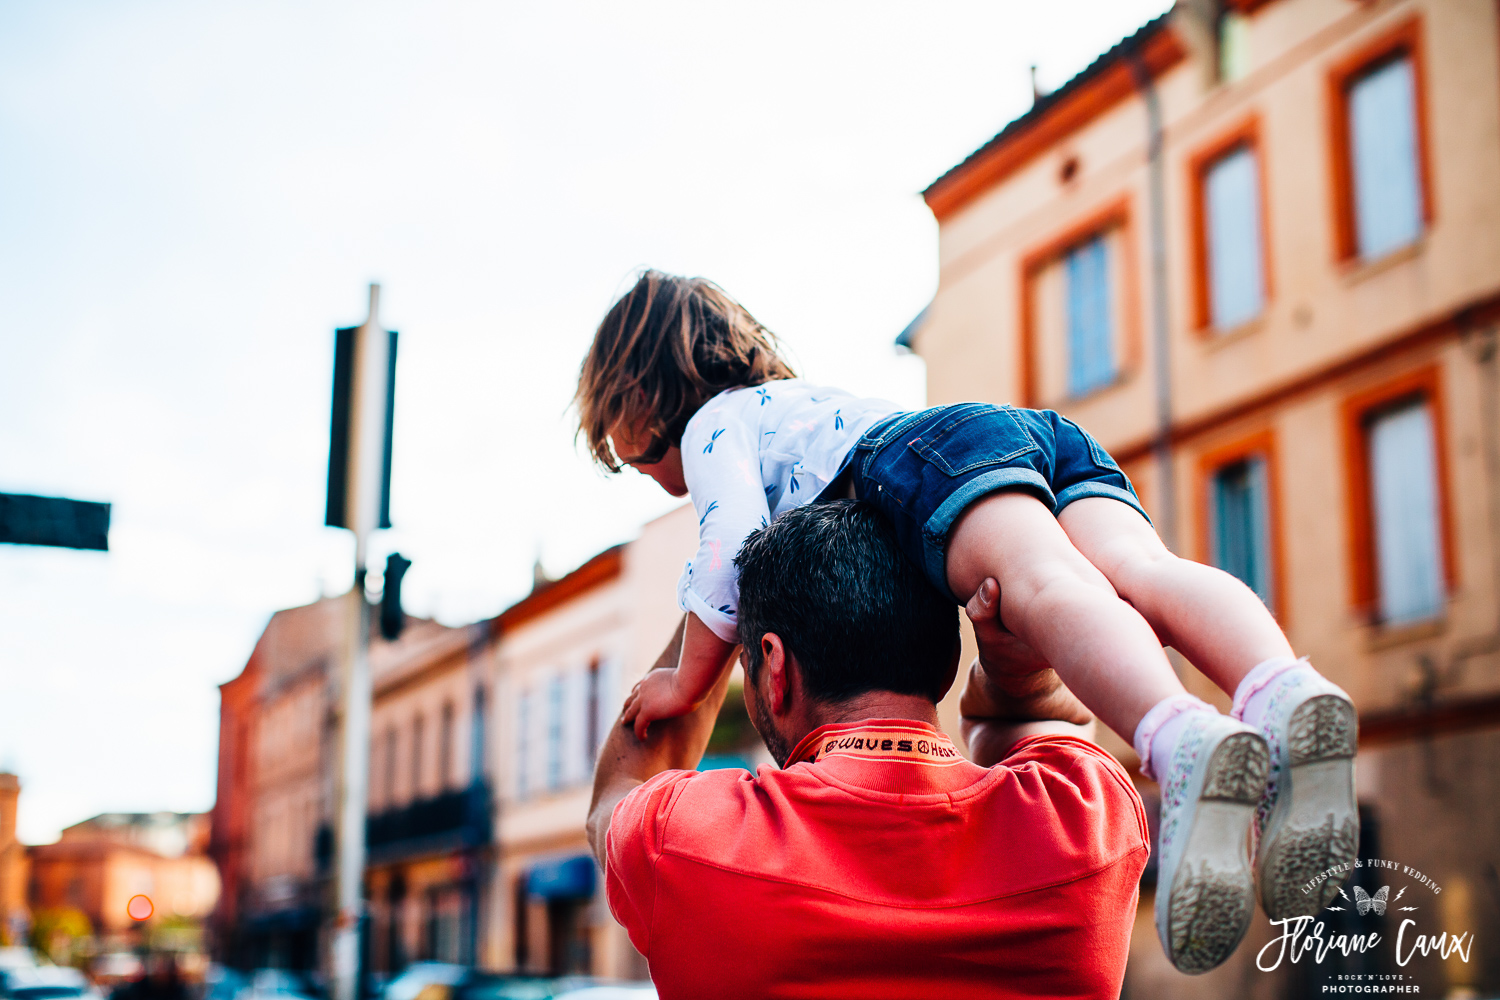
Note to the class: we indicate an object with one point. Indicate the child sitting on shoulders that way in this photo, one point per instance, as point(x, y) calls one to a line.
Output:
point(684, 385)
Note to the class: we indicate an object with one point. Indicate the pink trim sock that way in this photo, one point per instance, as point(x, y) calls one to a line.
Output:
point(1160, 728)
point(1253, 693)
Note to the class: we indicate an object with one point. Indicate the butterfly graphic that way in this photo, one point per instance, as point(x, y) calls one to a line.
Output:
point(708, 449)
point(1365, 902)
point(765, 397)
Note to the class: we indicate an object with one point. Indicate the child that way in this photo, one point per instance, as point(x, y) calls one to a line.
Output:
point(684, 385)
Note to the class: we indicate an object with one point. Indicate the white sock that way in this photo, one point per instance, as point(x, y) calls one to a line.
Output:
point(1159, 730)
point(1253, 696)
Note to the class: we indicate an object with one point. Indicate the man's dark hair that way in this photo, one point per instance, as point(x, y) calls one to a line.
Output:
point(829, 579)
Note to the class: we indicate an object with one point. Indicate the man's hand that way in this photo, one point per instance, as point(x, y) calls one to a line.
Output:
point(1011, 692)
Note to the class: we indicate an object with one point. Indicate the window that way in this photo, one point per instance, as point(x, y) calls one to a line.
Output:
point(523, 745)
point(1401, 554)
point(1232, 211)
point(1091, 356)
point(1234, 46)
point(1241, 523)
point(1403, 491)
point(1237, 525)
point(390, 767)
point(476, 737)
point(554, 733)
point(1383, 201)
point(416, 758)
point(1382, 132)
point(445, 749)
point(591, 721)
point(1080, 311)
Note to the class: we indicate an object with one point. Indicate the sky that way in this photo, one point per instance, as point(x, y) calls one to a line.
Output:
point(193, 196)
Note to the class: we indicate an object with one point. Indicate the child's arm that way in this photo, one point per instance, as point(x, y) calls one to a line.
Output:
point(664, 694)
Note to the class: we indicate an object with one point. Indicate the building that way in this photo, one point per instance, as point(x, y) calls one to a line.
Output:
point(483, 740)
point(1254, 249)
point(98, 865)
point(14, 916)
point(272, 821)
point(430, 856)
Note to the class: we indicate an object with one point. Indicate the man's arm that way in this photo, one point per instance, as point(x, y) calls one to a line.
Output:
point(626, 762)
point(1011, 693)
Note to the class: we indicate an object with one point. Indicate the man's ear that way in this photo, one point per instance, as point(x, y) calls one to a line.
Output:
point(775, 669)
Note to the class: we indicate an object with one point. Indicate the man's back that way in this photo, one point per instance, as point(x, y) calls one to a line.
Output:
point(888, 867)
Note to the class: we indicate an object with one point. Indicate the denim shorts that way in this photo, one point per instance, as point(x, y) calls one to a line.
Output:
point(923, 469)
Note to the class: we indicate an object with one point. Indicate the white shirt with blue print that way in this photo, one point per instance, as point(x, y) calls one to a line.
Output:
point(748, 456)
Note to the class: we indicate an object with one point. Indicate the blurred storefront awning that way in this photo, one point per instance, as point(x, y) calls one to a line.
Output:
point(563, 878)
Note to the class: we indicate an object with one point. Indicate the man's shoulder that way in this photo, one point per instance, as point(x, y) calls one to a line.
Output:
point(1079, 779)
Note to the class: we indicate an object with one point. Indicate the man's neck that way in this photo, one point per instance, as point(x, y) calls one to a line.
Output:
point(872, 705)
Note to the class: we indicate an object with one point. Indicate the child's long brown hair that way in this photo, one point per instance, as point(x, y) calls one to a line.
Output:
point(665, 348)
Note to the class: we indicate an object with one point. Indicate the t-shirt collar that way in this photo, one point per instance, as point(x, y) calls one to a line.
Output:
point(877, 740)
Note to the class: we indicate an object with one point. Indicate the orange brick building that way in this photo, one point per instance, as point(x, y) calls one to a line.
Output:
point(99, 864)
point(1255, 249)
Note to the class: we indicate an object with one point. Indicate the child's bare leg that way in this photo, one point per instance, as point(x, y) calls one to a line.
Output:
point(1058, 603)
point(1204, 613)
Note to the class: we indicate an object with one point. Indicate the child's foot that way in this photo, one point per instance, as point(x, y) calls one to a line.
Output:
point(1308, 821)
point(1209, 790)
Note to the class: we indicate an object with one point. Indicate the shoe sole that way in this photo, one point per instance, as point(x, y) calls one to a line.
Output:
point(1314, 826)
point(1212, 897)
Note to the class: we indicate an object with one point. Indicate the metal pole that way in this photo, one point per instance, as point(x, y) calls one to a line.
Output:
point(353, 790)
point(1161, 344)
point(367, 434)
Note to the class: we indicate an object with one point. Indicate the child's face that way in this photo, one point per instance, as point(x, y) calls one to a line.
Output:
point(633, 446)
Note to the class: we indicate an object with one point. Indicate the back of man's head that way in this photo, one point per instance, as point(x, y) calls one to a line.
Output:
point(829, 579)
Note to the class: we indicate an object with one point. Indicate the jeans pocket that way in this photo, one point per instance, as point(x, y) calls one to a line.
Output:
point(1097, 454)
point(974, 435)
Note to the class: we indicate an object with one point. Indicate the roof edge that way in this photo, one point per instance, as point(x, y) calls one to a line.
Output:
point(599, 570)
point(1104, 83)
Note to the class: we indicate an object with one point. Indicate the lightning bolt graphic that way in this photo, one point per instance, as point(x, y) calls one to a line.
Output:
point(1341, 893)
point(1400, 894)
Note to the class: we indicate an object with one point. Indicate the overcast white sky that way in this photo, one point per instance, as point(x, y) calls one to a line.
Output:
point(192, 196)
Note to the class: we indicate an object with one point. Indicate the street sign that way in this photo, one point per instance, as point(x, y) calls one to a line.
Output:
point(359, 446)
point(55, 521)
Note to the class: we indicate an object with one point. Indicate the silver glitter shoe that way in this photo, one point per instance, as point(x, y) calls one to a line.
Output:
point(1204, 894)
point(1307, 824)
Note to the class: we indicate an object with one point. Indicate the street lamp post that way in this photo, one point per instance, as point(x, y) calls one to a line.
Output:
point(359, 478)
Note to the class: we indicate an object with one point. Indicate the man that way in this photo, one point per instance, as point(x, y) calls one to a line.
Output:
point(877, 862)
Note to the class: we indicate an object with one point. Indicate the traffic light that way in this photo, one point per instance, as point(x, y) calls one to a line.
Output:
point(392, 618)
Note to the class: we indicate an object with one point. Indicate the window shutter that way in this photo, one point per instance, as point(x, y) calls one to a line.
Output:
point(1232, 196)
point(1241, 542)
point(1403, 487)
point(1383, 148)
point(1091, 363)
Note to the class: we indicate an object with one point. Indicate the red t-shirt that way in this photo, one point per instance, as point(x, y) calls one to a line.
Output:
point(881, 863)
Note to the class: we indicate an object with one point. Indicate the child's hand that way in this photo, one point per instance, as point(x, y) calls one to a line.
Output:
point(655, 697)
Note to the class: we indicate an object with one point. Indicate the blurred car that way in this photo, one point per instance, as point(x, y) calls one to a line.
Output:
point(16, 958)
point(222, 983)
point(277, 984)
point(419, 975)
point(49, 982)
point(113, 968)
point(618, 991)
point(475, 985)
